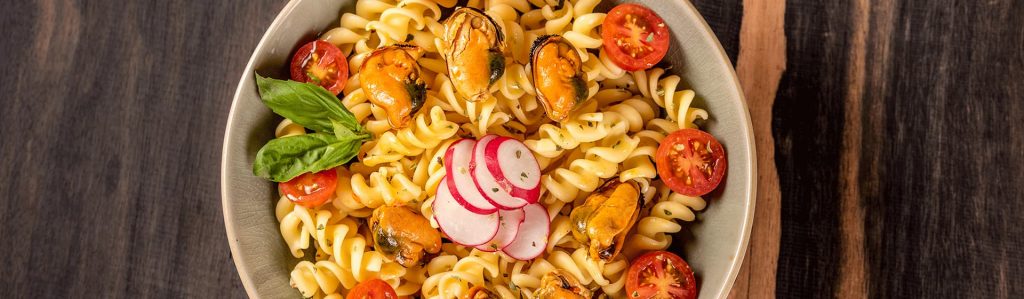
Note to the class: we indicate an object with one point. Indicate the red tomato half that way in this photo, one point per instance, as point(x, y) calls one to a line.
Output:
point(635, 37)
point(320, 63)
point(660, 274)
point(311, 189)
point(372, 289)
point(691, 162)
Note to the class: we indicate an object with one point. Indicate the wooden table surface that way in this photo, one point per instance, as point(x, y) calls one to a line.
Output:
point(890, 141)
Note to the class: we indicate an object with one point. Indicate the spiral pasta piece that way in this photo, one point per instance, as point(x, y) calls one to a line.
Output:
point(350, 259)
point(653, 232)
point(583, 34)
point(585, 174)
point(600, 67)
point(387, 186)
point(664, 93)
point(452, 277)
point(426, 132)
point(288, 128)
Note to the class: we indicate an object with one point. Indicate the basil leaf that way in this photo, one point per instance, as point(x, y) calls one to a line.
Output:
point(308, 105)
point(283, 159)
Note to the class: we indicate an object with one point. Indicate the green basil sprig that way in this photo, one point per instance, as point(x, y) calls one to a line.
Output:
point(336, 141)
point(306, 104)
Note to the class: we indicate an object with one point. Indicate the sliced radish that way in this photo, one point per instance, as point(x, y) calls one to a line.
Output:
point(457, 164)
point(515, 169)
point(459, 224)
point(485, 181)
point(533, 234)
point(508, 228)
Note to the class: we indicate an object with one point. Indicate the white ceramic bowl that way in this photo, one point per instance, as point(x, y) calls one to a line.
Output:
point(714, 245)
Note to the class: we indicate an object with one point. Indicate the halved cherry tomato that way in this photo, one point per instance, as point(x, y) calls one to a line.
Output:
point(691, 162)
point(660, 274)
point(372, 289)
point(311, 189)
point(635, 37)
point(322, 64)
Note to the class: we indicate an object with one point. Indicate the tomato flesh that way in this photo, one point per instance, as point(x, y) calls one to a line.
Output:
point(311, 189)
point(691, 162)
point(320, 63)
point(372, 289)
point(634, 37)
point(660, 274)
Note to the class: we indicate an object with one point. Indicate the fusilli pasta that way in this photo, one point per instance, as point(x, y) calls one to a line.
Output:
point(615, 134)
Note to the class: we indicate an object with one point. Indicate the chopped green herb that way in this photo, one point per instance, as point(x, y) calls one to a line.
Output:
point(440, 161)
point(523, 174)
point(494, 189)
point(519, 154)
point(636, 294)
point(667, 212)
point(320, 227)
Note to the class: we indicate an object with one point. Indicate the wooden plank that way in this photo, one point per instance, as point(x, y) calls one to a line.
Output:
point(920, 103)
point(112, 120)
point(852, 273)
point(942, 173)
point(762, 60)
point(807, 125)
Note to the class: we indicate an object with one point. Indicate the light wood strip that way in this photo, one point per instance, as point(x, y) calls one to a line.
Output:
point(761, 62)
point(852, 270)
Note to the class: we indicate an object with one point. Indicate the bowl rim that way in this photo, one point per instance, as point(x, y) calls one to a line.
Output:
point(226, 204)
point(751, 172)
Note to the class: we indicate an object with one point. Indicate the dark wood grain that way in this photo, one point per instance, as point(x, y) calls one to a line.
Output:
point(943, 161)
point(807, 126)
point(922, 134)
point(724, 17)
point(112, 125)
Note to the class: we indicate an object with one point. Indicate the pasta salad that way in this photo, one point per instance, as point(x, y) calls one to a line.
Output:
point(487, 149)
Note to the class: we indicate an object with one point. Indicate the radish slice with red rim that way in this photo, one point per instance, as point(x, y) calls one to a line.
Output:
point(515, 169)
point(508, 228)
point(485, 180)
point(458, 165)
point(459, 224)
point(532, 238)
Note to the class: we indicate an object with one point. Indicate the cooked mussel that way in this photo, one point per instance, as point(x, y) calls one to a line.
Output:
point(479, 292)
point(558, 76)
point(559, 284)
point(403, 235)
point(390, 78)
point(605, 218)
point(474, 51)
